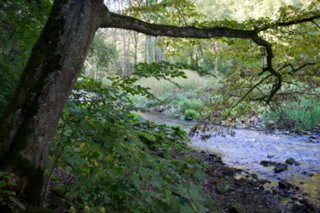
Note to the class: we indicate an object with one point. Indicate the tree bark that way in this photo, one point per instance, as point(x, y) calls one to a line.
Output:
point(29, 123)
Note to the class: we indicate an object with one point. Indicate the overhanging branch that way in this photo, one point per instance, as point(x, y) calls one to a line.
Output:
point(112, 20)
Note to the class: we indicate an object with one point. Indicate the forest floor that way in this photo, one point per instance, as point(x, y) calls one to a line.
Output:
point(238, 191)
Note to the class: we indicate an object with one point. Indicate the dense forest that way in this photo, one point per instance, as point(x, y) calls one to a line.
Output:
point(159, 106)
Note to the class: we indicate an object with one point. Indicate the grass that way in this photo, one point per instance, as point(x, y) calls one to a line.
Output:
point(302, 114)
point(185, 101)
point(193, 82)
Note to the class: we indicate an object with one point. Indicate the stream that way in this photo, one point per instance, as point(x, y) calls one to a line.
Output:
point(247, 148)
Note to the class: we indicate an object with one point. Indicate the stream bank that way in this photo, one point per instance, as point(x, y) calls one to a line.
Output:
point(239, 191)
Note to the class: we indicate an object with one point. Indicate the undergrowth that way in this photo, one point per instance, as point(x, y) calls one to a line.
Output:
point(107, 160)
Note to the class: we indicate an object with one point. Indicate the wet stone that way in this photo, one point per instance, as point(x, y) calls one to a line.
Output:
point(280, 167)
point(292, 161)
point(268, 163)
point(284, 185)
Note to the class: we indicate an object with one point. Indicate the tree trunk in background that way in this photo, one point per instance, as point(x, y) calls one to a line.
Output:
point(158, 51)
point(128, 65)
point(151, 50)
point(216, 60)
point(115, 41)
point(124, 54)
point(29, 123)
point(136, 40)
point(146, 50)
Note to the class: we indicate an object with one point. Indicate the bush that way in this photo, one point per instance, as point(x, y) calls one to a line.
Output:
point(194, 104)
point(191, 114)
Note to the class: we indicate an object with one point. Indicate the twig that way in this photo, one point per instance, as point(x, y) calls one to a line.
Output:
point(296, 69)
point(250, 90)
point(313, 21)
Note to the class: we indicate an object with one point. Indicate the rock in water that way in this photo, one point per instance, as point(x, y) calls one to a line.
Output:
point(266, 163)
point(280, 167)
point(292, 161)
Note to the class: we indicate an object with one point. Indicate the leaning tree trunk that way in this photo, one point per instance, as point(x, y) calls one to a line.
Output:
point(29, 123)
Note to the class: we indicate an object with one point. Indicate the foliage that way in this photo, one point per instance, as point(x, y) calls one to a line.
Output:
point(194, 104)
point(8, 196)
point(127, 85)
point(162, 70)
point(191, 114)
point(104, 150)
point(175, 12)
point(101, 58)
point(186, 108)
point(21, 22)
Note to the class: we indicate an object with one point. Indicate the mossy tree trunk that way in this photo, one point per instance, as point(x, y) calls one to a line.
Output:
point(30, 121)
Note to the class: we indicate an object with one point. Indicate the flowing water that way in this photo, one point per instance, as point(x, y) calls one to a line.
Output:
point(247, 148)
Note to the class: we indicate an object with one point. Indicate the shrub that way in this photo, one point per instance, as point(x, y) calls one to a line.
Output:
point(194, 104)
point(191, 114)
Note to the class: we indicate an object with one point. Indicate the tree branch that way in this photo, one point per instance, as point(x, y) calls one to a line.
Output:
point(296, 69)
point(298, 21)
point(315, 23)
point(248, 92)
point(175, 83)
point(112, 20)
point(288, 23)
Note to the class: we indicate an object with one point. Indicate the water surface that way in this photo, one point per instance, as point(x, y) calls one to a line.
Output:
point(247, 148)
